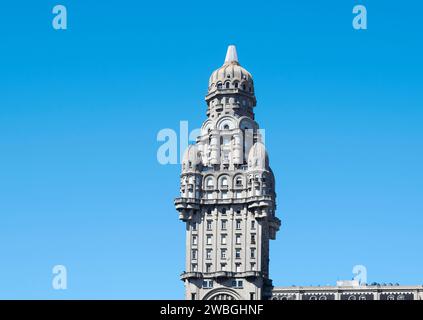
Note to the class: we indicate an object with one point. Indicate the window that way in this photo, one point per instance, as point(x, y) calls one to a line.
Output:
point(209, 211)
point(208, 267)
point(223, 224)
point(207, 284)
point(253, 238)
point(237, 253)
point(223, 254)
point(194, 267)
point(194, 254)
point(238, 182)
point(253, 266)
point(227, 85)
point(209, 239)
point(226, 127)
point(253, 253)
point(252, 295)
point(209, 224)
point(253, 225)
point(192, 296)
point(223, 266)
point(238, 239)
point(208, 254)
point(236, 85)
point(238, 212)
point(237, 267)
point(219, 85)
point(194, 226)
point(223, 211)
point(243, 86)
point(224, 195)
point(209, 182)
point(223, 239)
point(238, 224)
point(238, 194)
point(194, 240)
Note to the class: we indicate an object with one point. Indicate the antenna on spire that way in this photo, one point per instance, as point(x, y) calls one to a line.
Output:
point(231, 55)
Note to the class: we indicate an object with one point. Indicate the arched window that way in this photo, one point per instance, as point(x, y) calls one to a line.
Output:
point(226, 127)
point(227, 85)
point(219, 85)
point(236, 85)
point(243, 87)
point(238, 181)
point(209, 182)
point(224, 182)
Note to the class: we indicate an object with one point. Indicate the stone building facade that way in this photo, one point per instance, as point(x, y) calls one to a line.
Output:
point(227, 195)
point(348, 292)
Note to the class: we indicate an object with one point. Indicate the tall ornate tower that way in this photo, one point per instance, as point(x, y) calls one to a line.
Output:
point(228, 195)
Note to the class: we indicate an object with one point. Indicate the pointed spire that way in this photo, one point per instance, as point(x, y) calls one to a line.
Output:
point(231, 55)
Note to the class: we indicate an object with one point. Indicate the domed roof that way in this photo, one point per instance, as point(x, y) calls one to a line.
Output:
point(230, 71)
point(191, 158)
point(257, 157)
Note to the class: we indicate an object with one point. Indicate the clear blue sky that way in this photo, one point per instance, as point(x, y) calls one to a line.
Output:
point(80, 110)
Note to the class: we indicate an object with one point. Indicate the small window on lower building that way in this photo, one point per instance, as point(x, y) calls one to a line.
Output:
point(208, 254)
point(207, 284)
point(237, 239)
point(238, 267)
point(253, 253)
point(237, 284)
point(209, 224)
point(238, 224)
point(223, 224)
point(223, 239)
point(237, 253)
point(208, 267)
point(223, 254)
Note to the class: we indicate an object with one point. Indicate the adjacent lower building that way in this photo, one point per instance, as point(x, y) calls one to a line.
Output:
point(349, 292)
